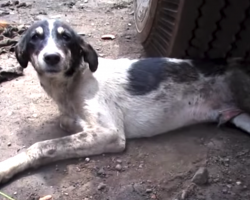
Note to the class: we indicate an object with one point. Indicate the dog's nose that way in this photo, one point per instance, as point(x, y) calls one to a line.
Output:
point(52, 58)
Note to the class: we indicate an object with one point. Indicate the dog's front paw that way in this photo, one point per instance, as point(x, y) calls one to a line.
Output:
point(12, 166)
point(6, 171)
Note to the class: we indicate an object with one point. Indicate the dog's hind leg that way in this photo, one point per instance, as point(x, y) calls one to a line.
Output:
point(92, 141)
point(242, 121)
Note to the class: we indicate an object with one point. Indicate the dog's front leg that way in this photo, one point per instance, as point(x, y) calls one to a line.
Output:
point(90, 142)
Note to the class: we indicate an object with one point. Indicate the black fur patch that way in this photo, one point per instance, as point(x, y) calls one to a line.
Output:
point(146, 75)
point(69, 41)
point(31, 42)
point(36, 44)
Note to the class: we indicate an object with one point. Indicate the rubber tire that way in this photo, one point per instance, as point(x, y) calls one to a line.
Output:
point(196, 28)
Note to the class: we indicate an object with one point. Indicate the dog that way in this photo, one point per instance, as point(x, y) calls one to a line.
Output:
point(103, 101)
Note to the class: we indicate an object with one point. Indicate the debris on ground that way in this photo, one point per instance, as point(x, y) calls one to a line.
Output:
point(87, 159)
point(118, 167)
point(14, 3)
point(201, 176)
point(108, 37)
point(8, 73)
point(184, 194)
point(101, 186)
point(9, 36)
point(47, 197)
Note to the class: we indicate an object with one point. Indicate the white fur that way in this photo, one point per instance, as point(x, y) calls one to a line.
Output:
point(50, 48)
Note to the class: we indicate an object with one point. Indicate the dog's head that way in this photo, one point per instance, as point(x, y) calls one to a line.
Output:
point(54, 47)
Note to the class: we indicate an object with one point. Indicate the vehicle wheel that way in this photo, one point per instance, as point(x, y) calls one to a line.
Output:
point(194, 28)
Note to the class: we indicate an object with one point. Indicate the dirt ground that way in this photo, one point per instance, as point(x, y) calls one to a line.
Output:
point(157, 168)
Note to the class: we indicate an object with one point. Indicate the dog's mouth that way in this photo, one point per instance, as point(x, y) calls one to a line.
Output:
point(52, 70)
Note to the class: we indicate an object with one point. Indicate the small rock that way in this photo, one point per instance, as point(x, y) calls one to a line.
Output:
point(127, 37)
point(4, 12)
point(9, 144)
point(101, 171)
point(108, 37)
point(201, 176)
point(87, 159)
point(81, 34)
point(216, 180)
point(8, 3)
point(129, 24)
point(78, 169)
point(15, 193)
point(21, 29)
point(48, 197)
point(125, 167)
point(42, 12)
point(230, 181)
point(85, 1)
point(56, 16)
point(224, 190)
point(22, 5)
point(118, 167)
point(119, 161)
point(139, 189)
point(66, 194)
point(141, 166)
point(148, 190)
point(238, 182)
point(184, 194)
point(101, 186)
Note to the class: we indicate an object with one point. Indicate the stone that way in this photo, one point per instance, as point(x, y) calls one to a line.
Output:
point(101, 186)
point(201, 176)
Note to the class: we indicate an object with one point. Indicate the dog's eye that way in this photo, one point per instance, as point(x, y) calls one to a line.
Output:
point(66, 37)
point(35, 36)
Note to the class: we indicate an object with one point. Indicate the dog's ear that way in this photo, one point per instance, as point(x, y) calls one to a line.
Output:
point(21, 52)
point(89, 54)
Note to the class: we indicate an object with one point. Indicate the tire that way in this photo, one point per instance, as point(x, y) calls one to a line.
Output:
point(194, 28)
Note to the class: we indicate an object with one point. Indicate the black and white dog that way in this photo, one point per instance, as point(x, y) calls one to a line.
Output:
point(105, 101)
